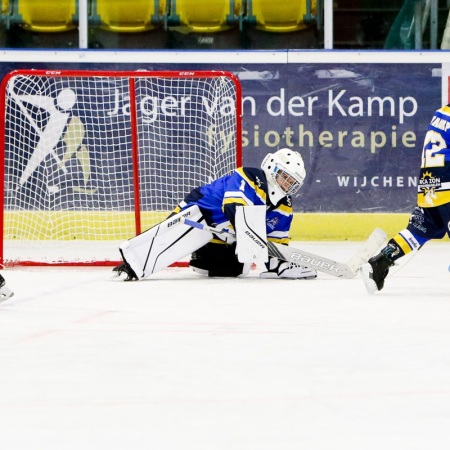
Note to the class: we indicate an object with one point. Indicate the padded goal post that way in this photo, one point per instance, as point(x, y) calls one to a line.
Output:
point(92, 158)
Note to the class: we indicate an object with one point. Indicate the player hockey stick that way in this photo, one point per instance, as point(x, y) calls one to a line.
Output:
point(307, 259)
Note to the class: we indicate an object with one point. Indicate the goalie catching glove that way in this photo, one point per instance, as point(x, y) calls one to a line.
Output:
point(283, 269)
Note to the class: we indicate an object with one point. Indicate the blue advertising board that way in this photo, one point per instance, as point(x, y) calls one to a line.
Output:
point(358, 126)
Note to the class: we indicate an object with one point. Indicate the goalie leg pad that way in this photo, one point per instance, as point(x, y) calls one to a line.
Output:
point(164, 244)
point(284, 269)
point(251, 235)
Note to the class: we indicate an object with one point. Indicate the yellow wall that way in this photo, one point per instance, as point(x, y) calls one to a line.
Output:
point(112, 225)
point(339, 227)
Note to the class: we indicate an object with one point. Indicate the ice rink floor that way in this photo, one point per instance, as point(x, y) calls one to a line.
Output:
point(179, 362)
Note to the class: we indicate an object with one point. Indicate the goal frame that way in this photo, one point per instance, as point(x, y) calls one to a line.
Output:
point(132, 75)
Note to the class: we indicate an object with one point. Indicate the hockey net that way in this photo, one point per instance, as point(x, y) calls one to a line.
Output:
point(94, 158)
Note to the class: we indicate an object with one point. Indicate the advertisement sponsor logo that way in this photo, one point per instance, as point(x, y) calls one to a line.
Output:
point(345, 181)
point(63, 130)
point(255, 239)
point(272, 223)
point(428, 185)
point(152, 108)
point(315, 262)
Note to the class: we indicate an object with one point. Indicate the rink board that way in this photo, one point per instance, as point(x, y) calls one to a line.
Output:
point(121, 225)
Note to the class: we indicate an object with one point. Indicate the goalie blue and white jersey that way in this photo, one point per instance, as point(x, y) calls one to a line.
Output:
point(434, 179)
point(245, 186)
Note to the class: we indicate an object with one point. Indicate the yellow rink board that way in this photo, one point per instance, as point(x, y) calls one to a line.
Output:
point(345, 227)
point(64, 225)
point(342, 227)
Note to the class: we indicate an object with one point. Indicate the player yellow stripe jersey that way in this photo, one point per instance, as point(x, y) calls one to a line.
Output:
point(245, 186)
point(434, 179)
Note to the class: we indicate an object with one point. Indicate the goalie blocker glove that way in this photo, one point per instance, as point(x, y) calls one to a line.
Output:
point(283, 269)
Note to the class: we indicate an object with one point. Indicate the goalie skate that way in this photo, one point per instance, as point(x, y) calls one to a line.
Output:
point(123, 272)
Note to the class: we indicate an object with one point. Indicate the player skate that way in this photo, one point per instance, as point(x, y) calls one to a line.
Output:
point(375, 271)
point(5, 292)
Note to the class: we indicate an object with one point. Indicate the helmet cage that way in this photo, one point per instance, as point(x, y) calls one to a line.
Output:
point(287, 183)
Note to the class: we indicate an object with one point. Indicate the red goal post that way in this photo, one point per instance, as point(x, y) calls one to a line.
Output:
point(92, 158)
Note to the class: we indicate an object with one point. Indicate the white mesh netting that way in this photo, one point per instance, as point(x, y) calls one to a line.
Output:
point(71, 180)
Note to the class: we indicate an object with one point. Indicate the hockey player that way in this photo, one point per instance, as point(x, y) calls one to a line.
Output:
point(231, 201)
point(430, 218)
point(5, 292)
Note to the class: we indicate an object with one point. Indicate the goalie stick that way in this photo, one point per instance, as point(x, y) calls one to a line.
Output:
point(307, 259)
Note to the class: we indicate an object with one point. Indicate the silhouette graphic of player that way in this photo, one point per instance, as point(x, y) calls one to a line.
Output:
point(60, 119)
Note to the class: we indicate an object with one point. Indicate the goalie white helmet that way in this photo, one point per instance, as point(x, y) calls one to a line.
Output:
point(285, 173)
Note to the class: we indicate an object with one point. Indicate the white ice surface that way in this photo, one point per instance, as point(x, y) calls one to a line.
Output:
point(179, 362)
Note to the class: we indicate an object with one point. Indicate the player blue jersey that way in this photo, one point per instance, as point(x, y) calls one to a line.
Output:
point(245, 186)
point(434, 179)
